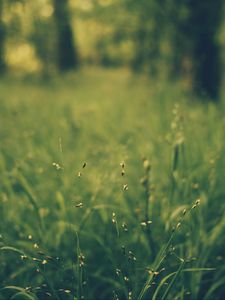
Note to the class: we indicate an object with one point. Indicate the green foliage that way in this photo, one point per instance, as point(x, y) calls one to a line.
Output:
point(111, 188)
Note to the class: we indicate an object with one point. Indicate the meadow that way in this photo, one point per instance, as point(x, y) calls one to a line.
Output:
point(112, 187)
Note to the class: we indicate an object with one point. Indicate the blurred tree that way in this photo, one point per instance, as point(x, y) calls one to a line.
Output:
point(147, 37)
point(42, 36)
point(202, 27)
point(67, 54)
point(155, 35)
point(177, 14)
point(2, 40)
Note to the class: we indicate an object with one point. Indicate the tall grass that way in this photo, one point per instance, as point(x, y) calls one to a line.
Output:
point(111, 188)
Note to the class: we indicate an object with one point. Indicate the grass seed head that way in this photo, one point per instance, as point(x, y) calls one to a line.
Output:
point(195, 186)
point(124, 226)
point(118, 272)
point(57, 166)
point(144, 181)
point(198, 201)
point(125, 187)
point(81, 259)
point(146, 164)
point(44, 262)
point(131, 256)
point(123, 250)
point(178, 225)
point(122, 164)
point(113, 218)
point(129, 295)
point(146, 223)
point(36, 246)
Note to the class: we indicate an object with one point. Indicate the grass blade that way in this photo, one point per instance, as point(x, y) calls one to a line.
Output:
point(173, 280)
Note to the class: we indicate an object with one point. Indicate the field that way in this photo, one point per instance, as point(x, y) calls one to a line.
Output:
point(112, 187)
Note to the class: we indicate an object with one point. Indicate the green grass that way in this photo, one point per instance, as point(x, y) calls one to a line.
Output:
point(72, 227)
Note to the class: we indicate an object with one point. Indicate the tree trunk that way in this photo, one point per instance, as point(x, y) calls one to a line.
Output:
point(66, 52)
point(204, 21)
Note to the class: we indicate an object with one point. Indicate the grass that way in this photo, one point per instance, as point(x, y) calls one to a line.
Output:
point(111, 188)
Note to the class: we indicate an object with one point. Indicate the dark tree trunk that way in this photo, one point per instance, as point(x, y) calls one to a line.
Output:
point(2, 41)
point(179, 39)
point(66, 52)
point(203, 24)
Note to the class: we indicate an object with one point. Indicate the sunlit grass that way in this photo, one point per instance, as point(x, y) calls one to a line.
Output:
point(111, 188)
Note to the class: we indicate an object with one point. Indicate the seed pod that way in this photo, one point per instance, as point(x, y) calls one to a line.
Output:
point(146, 164)
point(125, 187)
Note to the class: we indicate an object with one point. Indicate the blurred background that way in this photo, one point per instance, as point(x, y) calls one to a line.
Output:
point(112, 117)
point(163, 38)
